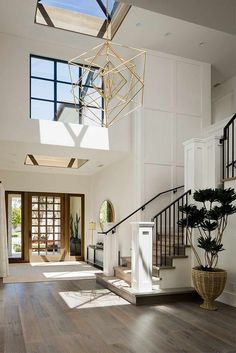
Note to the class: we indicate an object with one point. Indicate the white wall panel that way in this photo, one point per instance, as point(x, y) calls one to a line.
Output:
point(186, 127)
point(188, 88)
point(159, 83)
point(158, 137)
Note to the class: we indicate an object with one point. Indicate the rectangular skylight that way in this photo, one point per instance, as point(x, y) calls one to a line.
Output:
point(56, 162)
point(98, 18)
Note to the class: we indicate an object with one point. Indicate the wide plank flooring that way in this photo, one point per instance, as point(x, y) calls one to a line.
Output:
point(82, 317)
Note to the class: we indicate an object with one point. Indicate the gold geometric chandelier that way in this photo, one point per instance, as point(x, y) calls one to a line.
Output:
point(114, 74)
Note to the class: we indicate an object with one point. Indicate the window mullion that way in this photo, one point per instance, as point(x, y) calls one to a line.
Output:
point(55, 90)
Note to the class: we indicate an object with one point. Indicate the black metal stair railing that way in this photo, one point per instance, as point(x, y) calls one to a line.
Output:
point(169, 239)
point(141, 208)
point(228, 150)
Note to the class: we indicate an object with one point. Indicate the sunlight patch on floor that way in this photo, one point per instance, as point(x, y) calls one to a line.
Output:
point(91, 299)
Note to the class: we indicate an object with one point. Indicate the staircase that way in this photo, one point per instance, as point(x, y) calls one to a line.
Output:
point(170, 261)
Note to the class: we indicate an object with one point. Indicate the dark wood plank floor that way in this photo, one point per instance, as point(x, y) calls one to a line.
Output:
point(34, 318)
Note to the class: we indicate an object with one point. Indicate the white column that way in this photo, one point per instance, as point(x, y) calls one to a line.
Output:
point(141, 280)
point(110, 254)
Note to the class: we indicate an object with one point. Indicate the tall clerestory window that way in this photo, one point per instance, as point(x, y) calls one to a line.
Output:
point(50, 92)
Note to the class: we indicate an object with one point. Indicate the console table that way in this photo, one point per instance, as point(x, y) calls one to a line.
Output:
point(95, 256)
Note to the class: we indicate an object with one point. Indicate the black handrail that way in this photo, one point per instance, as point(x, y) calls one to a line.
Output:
point(228, 153)
point(169, 238)
point(141, 208)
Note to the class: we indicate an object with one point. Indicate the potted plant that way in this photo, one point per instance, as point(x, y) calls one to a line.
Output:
point(75, 240)
point(210, 220)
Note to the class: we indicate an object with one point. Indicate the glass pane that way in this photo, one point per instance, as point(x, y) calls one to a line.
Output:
point(42, 222)
point(50, 199)
point(57, 207)
point(92, 97)
point(57, 214)
point(57, 222)
point(64, 93)
point(35, 199)
point(57, 236)
point(49, 207)
point(42, 68)
point(34, 229)
point(34, 214)
point(42, 89)
point(49, 214)
point(49, 229)
point(34, 222)
point(63, 72)
point(42, 199)
point(14, 219)
point(34, 206)
point(42, 207)
point(42, 110)
point(91, 78)
point(57, 199)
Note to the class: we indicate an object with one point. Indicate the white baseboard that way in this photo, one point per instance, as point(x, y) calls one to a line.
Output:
point(228, 297)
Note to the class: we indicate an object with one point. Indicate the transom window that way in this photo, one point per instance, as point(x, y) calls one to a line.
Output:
point(98, 18)
point(50, 92)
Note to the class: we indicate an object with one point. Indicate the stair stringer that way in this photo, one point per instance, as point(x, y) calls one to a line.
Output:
point(180, 275)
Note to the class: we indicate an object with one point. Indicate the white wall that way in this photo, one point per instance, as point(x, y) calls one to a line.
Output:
point(224, 100)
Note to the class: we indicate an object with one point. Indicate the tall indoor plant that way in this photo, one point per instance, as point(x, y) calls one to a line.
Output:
point(75, 239)
point(210, 220)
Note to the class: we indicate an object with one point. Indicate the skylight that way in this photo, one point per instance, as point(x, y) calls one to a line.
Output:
point(56, 162)
point(99, 18)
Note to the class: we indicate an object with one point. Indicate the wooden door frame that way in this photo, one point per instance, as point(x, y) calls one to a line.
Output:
point(67, 223)
point(29, 220)
point(23, 247)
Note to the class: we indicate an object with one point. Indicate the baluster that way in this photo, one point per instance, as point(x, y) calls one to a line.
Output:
point(232, 149)
point(156, 237)
point(165, 239)
point(227, 153)
point(169, 230)
point(178, 230)
point(182, 215)
point(174, 227)
point(223, 156)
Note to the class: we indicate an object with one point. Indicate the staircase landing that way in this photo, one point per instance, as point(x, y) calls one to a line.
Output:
point(157, 296)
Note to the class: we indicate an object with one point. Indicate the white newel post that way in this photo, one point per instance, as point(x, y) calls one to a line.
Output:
point(141, 280)
point(110, 253)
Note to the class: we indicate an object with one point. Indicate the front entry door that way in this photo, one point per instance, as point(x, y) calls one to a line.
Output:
point(47, 239)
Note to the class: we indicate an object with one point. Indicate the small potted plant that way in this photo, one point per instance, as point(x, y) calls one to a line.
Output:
point(210, 221)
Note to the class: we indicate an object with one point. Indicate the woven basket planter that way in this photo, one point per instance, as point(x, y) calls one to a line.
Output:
point(209, 285)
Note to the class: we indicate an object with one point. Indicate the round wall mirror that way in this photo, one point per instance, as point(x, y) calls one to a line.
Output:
point(106, 214)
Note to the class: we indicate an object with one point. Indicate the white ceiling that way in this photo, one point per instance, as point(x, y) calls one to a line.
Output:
point(148, 29)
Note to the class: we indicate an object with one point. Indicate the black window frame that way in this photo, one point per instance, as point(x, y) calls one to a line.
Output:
point(55, 101)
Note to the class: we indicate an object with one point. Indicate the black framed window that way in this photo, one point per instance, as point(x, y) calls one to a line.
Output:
point(50, 92)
